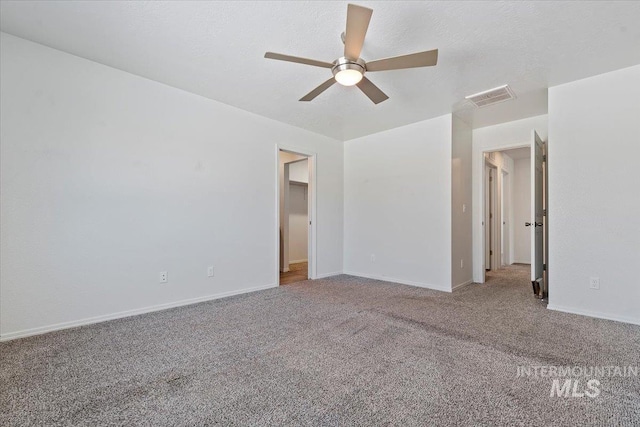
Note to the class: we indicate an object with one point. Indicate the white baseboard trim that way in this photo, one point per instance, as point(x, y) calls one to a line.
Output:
point(325, 275)
point(285, 270)
point(296, 261)
point(462, 285)
point(400, 281)
point(593, 314)
point(135, 312)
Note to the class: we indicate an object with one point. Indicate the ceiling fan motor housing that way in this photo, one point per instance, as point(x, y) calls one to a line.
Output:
point(349, 69)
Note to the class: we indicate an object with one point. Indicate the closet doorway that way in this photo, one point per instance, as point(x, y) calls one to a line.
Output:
point(296, 203)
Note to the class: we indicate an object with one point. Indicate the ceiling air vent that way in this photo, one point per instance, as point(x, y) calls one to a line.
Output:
point(492, 96)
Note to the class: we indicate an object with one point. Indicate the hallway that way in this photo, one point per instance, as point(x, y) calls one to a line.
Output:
point(513, 274)
point(297, 273)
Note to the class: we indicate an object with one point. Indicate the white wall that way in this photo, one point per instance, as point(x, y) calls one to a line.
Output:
point(461, 238)
point(298, 223)
point(507, 218)
point(398, 204)
point(594, 200)
point(494, 138)
point(506, 213)
point(522, 211)
point(109, 178)
point(299, 171)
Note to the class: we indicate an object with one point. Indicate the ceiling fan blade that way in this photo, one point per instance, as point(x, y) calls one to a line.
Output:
point(317, 91)
point(420, 59)
point(358, 18)
point(289, 58)
point(372, 91)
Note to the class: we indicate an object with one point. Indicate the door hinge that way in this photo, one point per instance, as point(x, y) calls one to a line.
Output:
point(544, 157)
point(490, 252)
point(544, 267)
point(544, 212)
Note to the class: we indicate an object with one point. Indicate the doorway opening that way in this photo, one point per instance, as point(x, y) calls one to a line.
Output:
point(296, 204)
point(506, 207)
point(514, 213)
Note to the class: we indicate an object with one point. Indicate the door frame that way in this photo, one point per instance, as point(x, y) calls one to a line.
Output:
point(495, 218)
point(312, 205)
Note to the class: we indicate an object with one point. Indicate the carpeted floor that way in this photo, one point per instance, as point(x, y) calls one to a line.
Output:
point(339, 351)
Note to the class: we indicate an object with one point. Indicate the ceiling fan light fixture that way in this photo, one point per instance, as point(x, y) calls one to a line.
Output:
point(348, 77)
point(348, 72)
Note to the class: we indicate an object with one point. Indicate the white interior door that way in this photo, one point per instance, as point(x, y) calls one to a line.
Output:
point(537, 213)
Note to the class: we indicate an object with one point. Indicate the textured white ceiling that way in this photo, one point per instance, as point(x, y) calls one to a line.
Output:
point(518, 153)
point(215, 49)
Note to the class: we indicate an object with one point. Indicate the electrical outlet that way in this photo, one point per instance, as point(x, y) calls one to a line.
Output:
point(373, 258)
point(594, 282)
point(163, 277)
point(210, 271)
point(464, 208)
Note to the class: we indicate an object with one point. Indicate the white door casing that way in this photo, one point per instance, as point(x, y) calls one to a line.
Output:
point(486, 220)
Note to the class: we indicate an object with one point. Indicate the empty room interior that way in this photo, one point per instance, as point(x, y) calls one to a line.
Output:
point(319, 213)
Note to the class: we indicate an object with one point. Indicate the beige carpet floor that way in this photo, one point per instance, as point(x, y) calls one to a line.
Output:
point(339, 351)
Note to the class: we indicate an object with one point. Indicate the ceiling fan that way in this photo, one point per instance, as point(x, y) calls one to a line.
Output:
point(349, 69)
